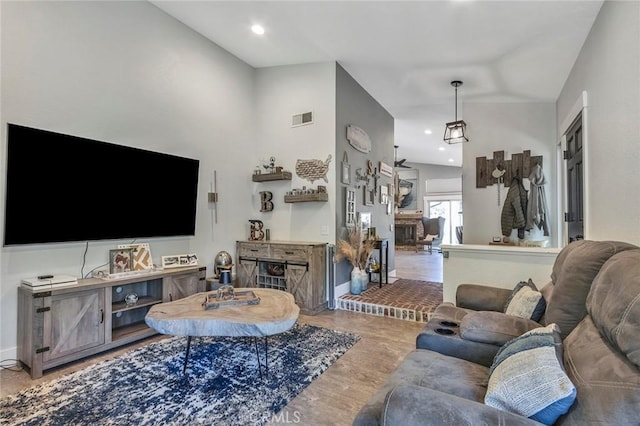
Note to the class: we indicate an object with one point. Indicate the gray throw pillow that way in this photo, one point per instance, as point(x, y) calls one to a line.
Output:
point(526, 301)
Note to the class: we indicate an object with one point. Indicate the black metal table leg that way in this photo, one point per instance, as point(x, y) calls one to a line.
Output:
point(255, 342)
point(186, 355)
point(266, 357)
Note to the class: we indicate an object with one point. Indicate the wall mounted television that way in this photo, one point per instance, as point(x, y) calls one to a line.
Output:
point(62, 188)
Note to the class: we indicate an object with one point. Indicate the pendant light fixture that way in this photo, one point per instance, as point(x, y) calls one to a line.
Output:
point(456, 131)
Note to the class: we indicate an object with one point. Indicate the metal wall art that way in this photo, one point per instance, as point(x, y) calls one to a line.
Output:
point(266, 201)
point(257, 234)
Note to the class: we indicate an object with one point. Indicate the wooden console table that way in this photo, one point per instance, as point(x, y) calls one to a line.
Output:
point(293, 266)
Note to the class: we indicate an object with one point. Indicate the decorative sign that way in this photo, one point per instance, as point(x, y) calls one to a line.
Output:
point(266, 203)
point(313, 170)
point(179, 260)
point(386, 169)
point(358, 139)
point(257, 234)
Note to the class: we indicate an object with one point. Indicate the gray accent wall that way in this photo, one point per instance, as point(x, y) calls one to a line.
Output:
point(357, 107)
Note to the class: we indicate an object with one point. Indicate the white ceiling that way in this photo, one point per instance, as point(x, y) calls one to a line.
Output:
point(406, 53)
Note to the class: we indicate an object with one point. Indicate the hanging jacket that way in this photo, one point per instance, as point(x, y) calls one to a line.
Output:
point(537, 209)
point(514, 209)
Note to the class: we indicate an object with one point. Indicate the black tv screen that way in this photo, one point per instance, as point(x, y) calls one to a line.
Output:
point(63, 188)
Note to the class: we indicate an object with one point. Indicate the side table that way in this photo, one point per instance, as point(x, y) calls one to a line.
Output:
point(382, 246)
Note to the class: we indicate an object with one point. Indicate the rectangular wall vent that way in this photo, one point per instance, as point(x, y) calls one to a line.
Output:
point(302, 119)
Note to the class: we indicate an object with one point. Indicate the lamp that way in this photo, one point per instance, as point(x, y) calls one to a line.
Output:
point(456, 131)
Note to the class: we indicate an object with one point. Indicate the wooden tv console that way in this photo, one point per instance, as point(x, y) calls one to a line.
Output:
point(60, 325)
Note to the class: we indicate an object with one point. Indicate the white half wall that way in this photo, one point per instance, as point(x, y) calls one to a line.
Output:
point(494, 266)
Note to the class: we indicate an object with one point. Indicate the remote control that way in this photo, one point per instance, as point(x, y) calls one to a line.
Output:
point(45, 277)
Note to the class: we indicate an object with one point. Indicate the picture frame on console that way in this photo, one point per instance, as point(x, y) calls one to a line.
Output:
point(120, 260)
point(179, 260)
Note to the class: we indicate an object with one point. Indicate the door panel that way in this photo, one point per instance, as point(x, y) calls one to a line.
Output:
point(77, 323)
point(574, 215)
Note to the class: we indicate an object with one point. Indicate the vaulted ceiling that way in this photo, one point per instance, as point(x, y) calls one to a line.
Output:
point(406, 53)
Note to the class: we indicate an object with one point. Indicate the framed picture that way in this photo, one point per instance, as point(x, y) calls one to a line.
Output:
point(179, 260)
point(350, 208)
point(364, 220)
point(188, 259)
point(384, 194)
point(120, 260)
point(172, 261)
point(141, 255)
point(366, 196)
point(407, 190)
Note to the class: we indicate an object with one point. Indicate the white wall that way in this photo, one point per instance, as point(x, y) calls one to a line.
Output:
point(280, 93)
point(512, 128)
point(432, 171)
point(127, 73)
point(608, 69)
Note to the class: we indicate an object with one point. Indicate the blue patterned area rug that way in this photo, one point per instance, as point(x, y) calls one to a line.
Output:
point(222, 384)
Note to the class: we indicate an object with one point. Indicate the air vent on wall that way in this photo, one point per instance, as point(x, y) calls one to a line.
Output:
point(302, 119)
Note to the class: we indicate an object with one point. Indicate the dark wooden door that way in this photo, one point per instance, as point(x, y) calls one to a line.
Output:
point(574, 216)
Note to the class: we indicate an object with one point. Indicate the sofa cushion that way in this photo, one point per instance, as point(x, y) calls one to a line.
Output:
point(573, 272)
point(614, 303)
point(526, 301)
point(433, 370)
point(527, 377)
point(496, 328)
point(607, 383)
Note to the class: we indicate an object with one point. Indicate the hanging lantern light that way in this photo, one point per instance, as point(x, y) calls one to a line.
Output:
point(456, 131)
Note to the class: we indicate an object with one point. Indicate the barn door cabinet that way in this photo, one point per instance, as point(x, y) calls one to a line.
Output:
point(60, 325)
point(296, 267)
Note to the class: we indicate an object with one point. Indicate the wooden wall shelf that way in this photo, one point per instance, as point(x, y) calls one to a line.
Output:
point(265, 177)
point(320, 196)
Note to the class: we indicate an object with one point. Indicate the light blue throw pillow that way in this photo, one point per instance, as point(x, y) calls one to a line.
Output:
point(527, 377)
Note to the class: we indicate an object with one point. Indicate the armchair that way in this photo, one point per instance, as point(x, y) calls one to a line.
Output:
point(433, 229)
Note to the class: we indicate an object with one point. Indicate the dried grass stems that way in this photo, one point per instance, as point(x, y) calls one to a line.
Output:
point(355, 249)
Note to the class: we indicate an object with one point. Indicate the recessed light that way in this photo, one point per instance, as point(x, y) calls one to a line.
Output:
point(451, 160)
point(441, 148)
point(257, 29)
point(428, 132)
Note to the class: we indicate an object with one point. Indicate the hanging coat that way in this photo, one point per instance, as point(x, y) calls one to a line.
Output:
point(515, 209)
point(537, 208)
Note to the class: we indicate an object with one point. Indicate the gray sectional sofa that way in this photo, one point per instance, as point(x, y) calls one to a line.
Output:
point(593, 306)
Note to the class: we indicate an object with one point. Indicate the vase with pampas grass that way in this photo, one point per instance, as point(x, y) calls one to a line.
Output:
point(357, 251)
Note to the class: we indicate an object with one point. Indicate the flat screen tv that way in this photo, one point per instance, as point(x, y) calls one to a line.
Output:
point(63, 188)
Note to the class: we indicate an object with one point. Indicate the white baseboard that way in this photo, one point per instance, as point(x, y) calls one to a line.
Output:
point(8, 354)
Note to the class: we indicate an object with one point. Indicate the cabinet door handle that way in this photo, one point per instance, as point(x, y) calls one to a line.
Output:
point(170, 297)
point(101, 316)
point(288, 252)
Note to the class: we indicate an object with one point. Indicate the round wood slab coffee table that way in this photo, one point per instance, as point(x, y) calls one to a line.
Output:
point(276, 313)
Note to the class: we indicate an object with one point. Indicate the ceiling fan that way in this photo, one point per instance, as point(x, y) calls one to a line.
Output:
point(400, 163)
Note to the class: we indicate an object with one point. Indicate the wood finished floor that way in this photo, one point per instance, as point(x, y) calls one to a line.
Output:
point(337, 395)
